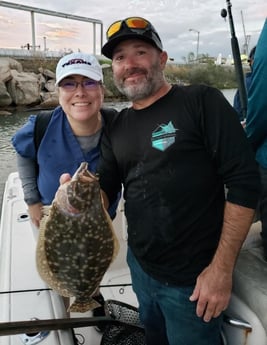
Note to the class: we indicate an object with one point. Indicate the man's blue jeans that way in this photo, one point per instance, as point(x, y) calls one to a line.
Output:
point(167, 314)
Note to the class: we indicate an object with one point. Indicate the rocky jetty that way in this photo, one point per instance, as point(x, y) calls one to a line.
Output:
point(22, 89)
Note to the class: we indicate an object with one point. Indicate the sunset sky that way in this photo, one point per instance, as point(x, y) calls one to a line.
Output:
point(172, 19)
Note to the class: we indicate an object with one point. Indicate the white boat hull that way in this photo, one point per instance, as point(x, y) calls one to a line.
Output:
point(24, 296)
point(246, 316)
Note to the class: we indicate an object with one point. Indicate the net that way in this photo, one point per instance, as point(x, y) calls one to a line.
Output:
point(129, 331)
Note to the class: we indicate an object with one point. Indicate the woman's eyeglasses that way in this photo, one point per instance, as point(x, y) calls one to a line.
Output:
point(134, 23)
point(71, 85)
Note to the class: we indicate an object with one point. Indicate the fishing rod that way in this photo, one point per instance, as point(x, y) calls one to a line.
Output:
point(237, 59)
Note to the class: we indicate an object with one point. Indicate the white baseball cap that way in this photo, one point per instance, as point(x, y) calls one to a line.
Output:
point(79, 63)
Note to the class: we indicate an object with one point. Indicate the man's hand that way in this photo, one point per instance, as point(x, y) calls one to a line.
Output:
point(212, 293)
point(213, 286)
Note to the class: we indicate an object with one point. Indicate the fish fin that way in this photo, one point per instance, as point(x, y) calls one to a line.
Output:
point(82, 307)
point(41, 260)
point(46, 209)
point(115, 239)
point(110, 223)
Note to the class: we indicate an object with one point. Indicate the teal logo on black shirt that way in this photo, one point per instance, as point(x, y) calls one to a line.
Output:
point(163, 136)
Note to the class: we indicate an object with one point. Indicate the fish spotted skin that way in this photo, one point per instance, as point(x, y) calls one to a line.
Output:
point(76, 241)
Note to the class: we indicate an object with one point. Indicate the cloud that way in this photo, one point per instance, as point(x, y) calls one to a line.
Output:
point(172, 19)
point(59, 34)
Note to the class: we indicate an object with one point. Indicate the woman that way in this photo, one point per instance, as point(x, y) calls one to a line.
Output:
point(72, 135)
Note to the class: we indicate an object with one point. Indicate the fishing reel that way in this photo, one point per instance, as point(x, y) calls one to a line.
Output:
point(224, 11)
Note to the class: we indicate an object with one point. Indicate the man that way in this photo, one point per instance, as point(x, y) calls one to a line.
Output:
point(173, 151)
point(256, 124)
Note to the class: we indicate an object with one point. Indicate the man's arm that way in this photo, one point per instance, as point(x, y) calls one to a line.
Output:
point(213, 287)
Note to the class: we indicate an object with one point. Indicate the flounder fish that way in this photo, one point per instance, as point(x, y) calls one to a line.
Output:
point(76, 242)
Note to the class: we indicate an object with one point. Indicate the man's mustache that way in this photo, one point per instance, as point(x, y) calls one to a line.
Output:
point(133, 71)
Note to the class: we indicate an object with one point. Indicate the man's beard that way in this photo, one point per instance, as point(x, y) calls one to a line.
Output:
point(151, 82)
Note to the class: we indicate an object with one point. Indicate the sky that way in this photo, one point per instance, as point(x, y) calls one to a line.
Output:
point(173, 20)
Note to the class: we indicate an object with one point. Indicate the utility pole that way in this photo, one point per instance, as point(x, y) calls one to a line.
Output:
point(44, 44)
point(198, 33)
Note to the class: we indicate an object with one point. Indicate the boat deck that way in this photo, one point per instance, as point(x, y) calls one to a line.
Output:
point(23, 294)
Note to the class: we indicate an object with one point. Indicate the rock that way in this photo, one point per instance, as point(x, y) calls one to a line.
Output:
point(6, 64)
point(46, 73)
point(42, 82)
point(50, 85)
point(5, 74)
point(10, 63)
point(24, 88)
point(49, 99)
point(4, 113)
point(19, 88)
point(5, 98)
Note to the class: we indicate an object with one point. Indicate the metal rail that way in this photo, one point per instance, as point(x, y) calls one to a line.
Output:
point(34, 10)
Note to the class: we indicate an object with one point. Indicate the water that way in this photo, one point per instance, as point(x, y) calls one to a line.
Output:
point(9, 124)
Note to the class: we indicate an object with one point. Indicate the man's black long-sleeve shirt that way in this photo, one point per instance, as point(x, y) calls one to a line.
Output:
point(174, 159)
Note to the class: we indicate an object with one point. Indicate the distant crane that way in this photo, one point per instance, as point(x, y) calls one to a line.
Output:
point(246, 37)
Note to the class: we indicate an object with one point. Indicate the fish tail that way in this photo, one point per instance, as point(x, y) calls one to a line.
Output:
point(81, 306)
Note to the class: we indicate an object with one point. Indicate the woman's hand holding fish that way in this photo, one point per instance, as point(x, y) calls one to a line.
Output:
point(64, 178)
